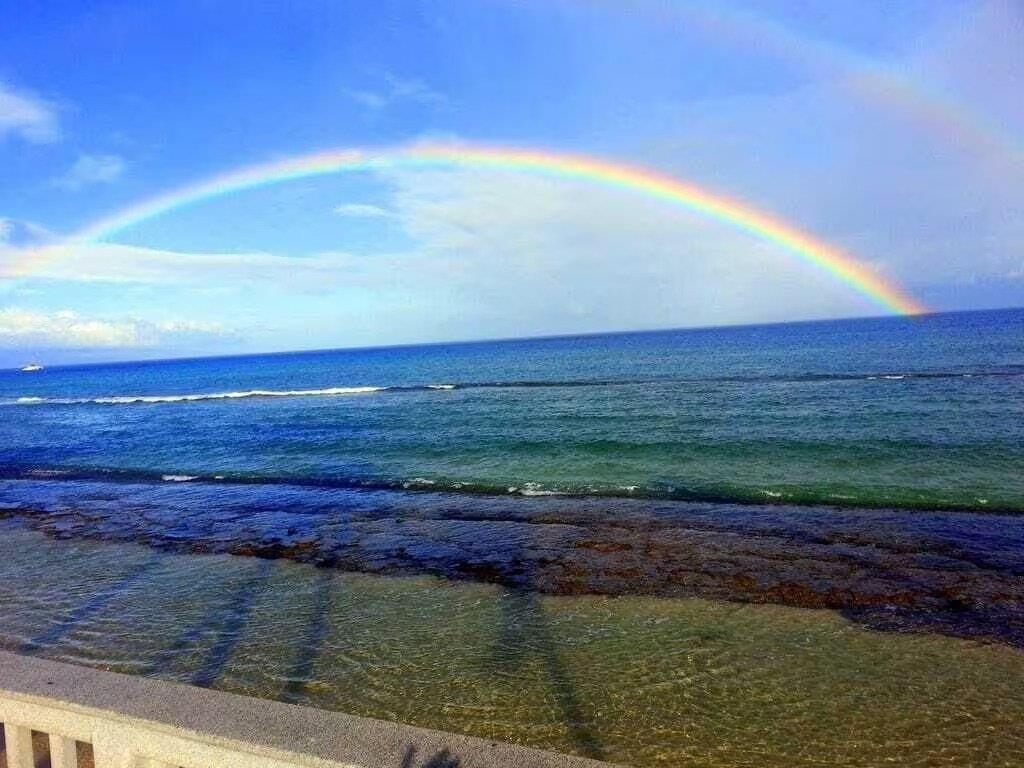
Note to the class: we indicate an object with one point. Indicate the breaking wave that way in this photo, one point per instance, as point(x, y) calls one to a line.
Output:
point(198, 397)
point(1006, 372)
point(717, 493)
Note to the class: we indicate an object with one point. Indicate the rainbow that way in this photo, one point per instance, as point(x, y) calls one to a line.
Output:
point(633, 179)
point(867, 78)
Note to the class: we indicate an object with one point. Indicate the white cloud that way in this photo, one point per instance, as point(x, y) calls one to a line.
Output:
point(113, 263)
point(18, 234)
point(535, 255)
point(27, 116)
point(362, 211)
point(411, 89)
point(369, 99)
point(394, 90)
point(91, 169)
point(65, 329)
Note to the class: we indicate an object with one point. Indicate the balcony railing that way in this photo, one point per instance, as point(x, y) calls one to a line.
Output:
point(134, 722)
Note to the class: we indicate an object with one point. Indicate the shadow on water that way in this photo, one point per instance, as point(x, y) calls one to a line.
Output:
point(230, 619)
point(231, 632)
point(311, 645)
point(525, 630)
point(90, 607)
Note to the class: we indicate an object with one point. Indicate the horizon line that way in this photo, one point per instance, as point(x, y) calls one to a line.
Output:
point(510, 339)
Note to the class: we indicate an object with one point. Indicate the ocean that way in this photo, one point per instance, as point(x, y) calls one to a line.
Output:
point(907, 413)
point(694, 545)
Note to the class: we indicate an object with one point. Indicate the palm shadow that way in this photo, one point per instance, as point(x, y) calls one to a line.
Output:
point(230, 622)
point(312, 644)
point(95, 604)
point(525, 631)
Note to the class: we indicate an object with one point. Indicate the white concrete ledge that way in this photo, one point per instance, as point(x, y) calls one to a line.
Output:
point(135, 722)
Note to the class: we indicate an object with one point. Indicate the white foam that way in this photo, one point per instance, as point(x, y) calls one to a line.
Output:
point(125, 400)
point(535, 489)
point(178, 478)
point(191, 398)
point(440, 386)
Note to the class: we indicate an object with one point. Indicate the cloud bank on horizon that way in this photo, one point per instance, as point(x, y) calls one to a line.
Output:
point(809, 117)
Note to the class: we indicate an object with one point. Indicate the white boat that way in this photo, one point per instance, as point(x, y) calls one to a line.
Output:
point(31, 368)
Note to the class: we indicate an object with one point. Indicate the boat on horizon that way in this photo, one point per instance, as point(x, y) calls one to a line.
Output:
point(31, 368)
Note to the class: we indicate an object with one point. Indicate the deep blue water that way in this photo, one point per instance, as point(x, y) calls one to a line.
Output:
point(915, 413)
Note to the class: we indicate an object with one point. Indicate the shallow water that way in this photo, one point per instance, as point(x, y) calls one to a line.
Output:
point(645, 681)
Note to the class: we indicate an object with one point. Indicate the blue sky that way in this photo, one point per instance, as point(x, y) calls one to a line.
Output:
point(809, 111)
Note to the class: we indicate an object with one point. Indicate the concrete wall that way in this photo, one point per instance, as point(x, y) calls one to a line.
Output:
point(134, 722)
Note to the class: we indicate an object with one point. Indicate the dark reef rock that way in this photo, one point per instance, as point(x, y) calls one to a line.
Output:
point(956, 573)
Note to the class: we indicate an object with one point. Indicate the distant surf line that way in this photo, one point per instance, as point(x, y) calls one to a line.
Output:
point(652, 184)
point(706, 381)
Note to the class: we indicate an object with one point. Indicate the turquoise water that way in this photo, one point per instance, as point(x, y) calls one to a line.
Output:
point(924, 413)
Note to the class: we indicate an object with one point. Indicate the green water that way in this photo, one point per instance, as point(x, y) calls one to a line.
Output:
point(637, 680)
